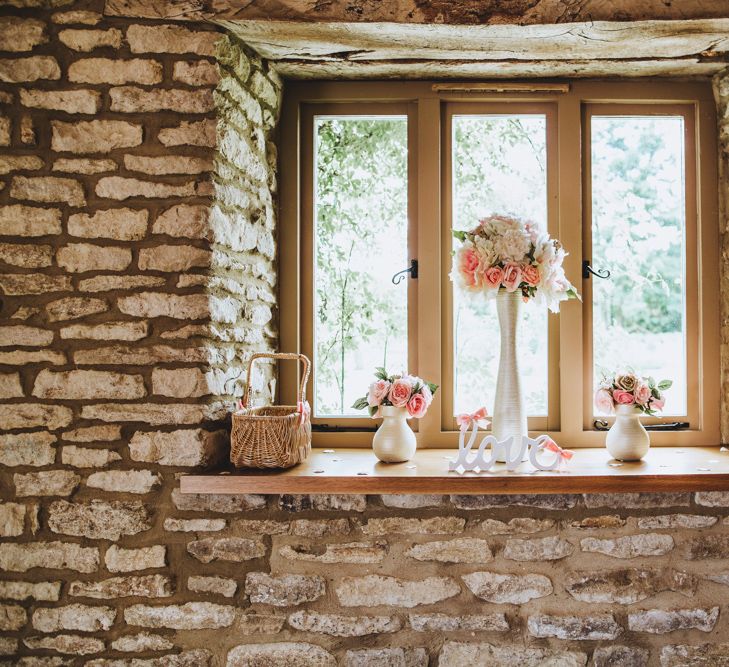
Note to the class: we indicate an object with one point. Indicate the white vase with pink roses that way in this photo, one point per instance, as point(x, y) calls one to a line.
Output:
point(396, 398)
point(629, 396)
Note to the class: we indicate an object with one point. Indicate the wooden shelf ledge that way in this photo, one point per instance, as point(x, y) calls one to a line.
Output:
point(358, 471)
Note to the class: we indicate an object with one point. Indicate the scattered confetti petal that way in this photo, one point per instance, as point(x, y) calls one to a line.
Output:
point(317, 472)
point(329, 451)
point(665, 465)
point(704, 469)
point(361, 473)
point(336, 460)
point(411, 466)
point(615, 465)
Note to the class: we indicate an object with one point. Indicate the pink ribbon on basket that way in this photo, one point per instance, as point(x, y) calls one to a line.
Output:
point(464, 420)
point(302, 407)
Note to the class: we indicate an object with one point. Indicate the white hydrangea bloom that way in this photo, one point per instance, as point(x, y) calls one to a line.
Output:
point(512, 245)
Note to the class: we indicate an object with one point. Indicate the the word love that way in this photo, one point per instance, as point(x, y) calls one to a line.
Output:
point(509, 451)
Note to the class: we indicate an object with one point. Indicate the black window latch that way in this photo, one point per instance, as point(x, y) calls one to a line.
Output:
point(587, 271)
point(412, 270)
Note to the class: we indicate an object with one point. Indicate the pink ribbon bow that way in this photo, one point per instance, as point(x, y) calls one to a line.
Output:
point(465, 420)
point(552, 446)
point(302, 407)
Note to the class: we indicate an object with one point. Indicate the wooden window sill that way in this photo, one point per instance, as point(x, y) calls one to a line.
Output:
point(358, 471)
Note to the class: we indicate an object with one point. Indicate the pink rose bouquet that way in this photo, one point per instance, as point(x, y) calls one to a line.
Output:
point(400, 391)
point(514, 255)
point(630, 389)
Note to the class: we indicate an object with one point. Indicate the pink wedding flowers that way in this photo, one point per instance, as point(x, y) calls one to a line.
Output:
point(378, 391)
point(514, 255)
point(630, 389)
point(400, 391)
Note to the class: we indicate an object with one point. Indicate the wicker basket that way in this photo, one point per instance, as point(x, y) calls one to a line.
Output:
point(277, 436)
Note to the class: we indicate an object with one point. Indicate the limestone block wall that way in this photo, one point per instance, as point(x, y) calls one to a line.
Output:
point(137, 272)
point(410, 581)
point(721, 93)
point(136, 277)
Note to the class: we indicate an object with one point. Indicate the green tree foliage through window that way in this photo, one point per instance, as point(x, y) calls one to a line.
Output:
point(361, 241)
point(638, 233)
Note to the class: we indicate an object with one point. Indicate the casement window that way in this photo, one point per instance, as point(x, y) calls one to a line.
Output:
point(374, 178)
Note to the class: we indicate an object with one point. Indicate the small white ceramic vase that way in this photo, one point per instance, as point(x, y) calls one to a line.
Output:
point(394, 441)
point(627, 440)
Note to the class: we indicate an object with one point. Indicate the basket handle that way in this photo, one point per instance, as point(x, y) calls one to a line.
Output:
point(278, 355)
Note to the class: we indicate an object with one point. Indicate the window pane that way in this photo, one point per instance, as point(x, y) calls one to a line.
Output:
point(361, 224)
point(638, 233)
point(499, 166)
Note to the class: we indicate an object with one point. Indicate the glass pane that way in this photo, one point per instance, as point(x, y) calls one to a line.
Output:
point(361, 224)
point(638, 233)
point(499, 166)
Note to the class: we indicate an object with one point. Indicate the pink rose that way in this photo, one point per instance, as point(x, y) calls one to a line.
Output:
point(417, 406)
point(657, 403)
point(623, 397)
point(604, 401)
point(512, 277)
point(378, 392)
point(468, 263)
point(642, 393)
point(493, 277)
point(427, 394)
point(400, 392)
point(530, 274)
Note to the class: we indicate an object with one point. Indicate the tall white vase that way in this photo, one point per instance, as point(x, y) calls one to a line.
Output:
point(509, 416)
point(394, 441)
point(627, 439)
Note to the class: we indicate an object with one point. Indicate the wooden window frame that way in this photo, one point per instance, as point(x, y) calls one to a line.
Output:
point(429, 107)
point(692, 414)
point(308, 113)
point(451, 109)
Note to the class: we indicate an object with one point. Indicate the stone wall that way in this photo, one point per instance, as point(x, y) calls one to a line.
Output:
point(478, 12)
point(359, 581)
point(721, 93)
point(137, 275)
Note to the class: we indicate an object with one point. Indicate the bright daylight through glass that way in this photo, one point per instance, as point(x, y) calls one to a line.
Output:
point(499, 166)
point(361, 224)
point(638, 233)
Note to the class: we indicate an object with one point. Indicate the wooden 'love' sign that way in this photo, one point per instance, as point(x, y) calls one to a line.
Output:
point(508, 451)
